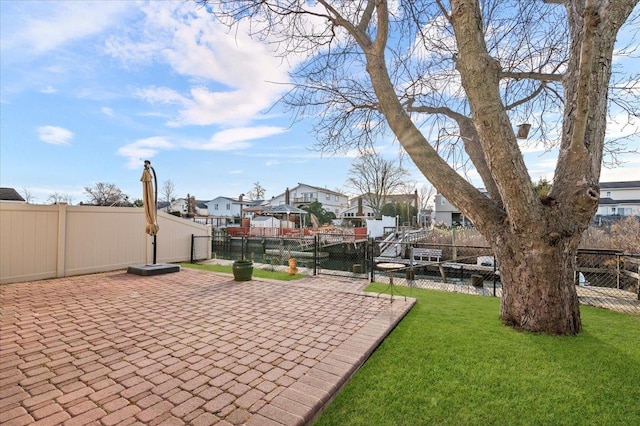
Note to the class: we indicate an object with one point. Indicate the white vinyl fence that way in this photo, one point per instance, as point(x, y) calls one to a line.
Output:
point(52, 241)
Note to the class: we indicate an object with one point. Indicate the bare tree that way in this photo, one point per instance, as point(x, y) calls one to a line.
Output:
point(56, 198)
point(106, 194)
point(425, 195)
point(168, 191)
point(375, 178)
point(27, 195)
point(257, 193)
point(472, 70)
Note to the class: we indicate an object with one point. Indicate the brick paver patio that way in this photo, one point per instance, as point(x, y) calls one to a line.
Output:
point(191, 347)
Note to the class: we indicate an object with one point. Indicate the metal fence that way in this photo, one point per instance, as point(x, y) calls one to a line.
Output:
point(328, 253)
point(604, 278)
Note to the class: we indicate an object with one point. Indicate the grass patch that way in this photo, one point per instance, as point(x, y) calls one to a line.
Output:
point(452, 362)
point(258, 273)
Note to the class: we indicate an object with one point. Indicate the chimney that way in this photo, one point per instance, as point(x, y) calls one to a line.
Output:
point(360, 212)
point(240, 197)
point(286, 196)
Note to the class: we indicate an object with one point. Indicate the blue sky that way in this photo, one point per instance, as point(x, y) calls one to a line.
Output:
point(91, 89)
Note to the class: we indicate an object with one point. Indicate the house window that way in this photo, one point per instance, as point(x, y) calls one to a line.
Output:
point(609, 194)
point(443, 201)
point(228, 206)
point(328, 196)
point(215, 207)
point(613, 210)
point(336, 198)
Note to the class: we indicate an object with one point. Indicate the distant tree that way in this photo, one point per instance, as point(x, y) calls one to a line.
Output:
point(138, 202)
point(257, 193)
point(56, 198)
point(405, 211)
point(543, 187)
point(320, 213)
point(425, 194)
point(27, 195)
point(375, 178)
point(106, 194)
point(168, 191)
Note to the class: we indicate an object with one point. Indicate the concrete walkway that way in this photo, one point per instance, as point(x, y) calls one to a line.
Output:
point(191, 347)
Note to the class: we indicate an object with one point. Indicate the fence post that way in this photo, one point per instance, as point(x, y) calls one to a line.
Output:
point(494, 275)
point(315, 255)
point(193, 238)
point(373, 262)
point(618, 271)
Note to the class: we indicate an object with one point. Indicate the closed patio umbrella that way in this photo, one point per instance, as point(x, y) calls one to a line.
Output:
point(148, 200)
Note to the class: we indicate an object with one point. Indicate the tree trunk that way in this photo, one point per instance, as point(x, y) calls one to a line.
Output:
point(539, 293)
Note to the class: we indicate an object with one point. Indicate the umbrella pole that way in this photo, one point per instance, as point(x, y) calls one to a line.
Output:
point(155, 197)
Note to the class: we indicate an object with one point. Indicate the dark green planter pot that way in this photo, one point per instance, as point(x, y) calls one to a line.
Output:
point(242, 270)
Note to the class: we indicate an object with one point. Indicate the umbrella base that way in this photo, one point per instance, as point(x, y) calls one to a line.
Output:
point(153, 269)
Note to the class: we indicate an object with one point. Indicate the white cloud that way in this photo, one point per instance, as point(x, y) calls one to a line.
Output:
point(144, 149)
point(49, 25)
point(622, 125)
point(48, 90)
point(234, 78)
point(630, 170)
point(107, 111)
point(237, 138)
point(159, 95)
point(55, 135)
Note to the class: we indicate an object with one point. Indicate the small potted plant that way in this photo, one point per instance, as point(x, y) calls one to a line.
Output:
point(242, 268)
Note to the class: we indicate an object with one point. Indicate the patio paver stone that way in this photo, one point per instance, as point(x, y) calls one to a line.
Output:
point(192, 347)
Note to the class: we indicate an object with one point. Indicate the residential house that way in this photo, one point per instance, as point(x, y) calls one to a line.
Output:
point(302, 195)
point(181, 205)
point(360, 210)
point(10, 194)
point(619, 199)
point(447, 214)
point(225, 210)
point(616, 199)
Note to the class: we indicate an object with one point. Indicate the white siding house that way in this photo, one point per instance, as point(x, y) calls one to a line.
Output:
point(619, 199)
point(616, 199)
point(225, 210)
point(302, 195)
point(446, 213)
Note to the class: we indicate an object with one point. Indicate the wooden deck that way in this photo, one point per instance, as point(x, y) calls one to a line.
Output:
point(442, 265)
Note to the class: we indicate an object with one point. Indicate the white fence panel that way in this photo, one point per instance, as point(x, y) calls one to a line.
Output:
point(48, 241)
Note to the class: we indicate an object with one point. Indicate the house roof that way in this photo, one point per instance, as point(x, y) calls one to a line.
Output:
point(620, 185)
point(264, 219)
point(284, 209)
point(319, 188)
point(605, 201)
point(10, 194)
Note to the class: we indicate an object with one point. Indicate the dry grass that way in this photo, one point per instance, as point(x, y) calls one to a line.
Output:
point(623, 235)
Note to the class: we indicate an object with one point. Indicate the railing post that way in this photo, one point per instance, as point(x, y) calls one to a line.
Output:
point(193, 238)
point(494, 275)
point(315, 254)
point(373, 262)
point(618, 271)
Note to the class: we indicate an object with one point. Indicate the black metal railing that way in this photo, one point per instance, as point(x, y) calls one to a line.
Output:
point(606, 278)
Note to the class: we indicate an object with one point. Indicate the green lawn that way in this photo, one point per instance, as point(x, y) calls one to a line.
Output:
point(258, 273)
point(451, 361)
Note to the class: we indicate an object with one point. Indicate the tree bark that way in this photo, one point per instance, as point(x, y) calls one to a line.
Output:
point(538, 292)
